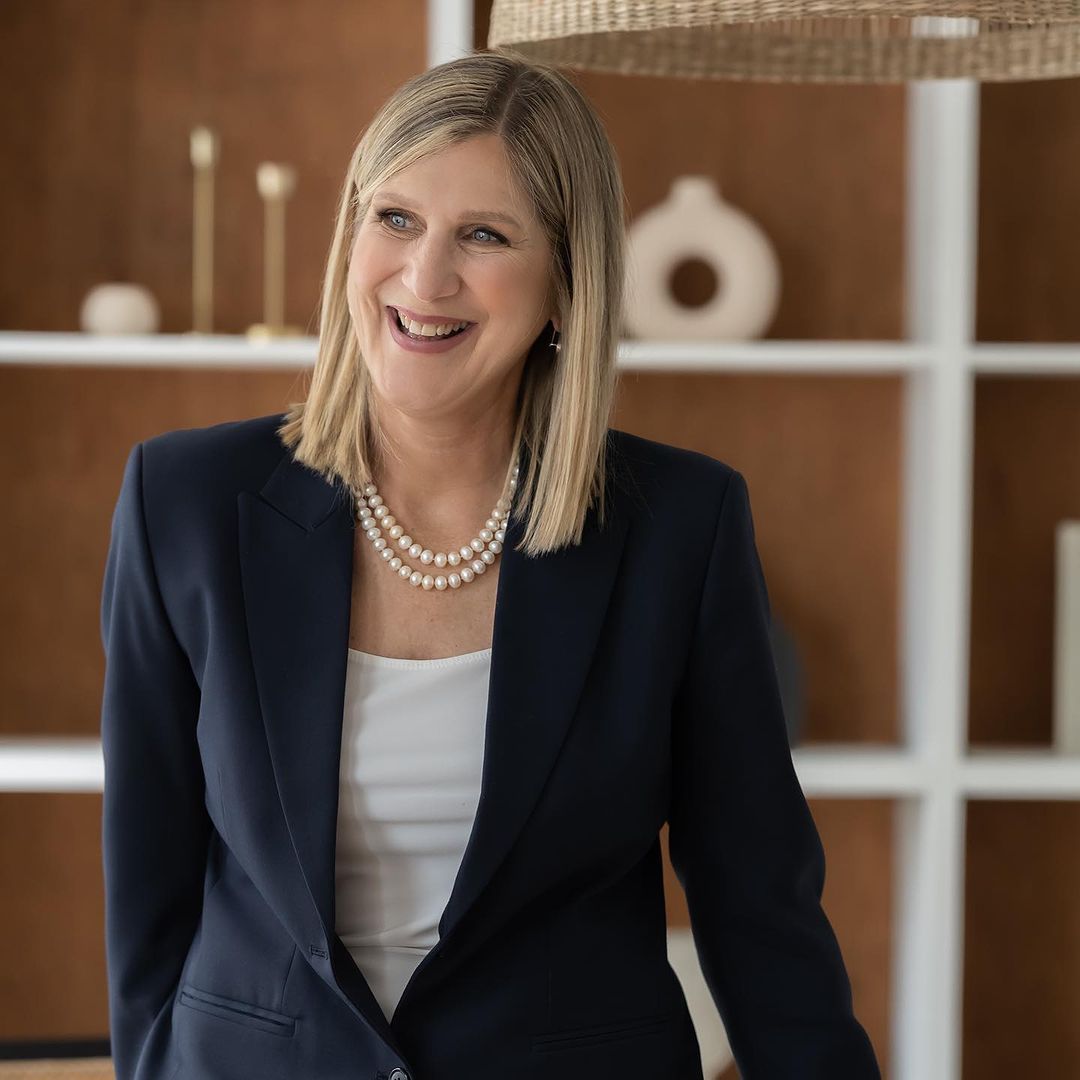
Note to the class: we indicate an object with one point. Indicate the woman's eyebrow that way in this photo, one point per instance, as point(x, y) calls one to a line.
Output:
point(490, 215)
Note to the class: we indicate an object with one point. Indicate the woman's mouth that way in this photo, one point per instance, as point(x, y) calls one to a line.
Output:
point(432, 344)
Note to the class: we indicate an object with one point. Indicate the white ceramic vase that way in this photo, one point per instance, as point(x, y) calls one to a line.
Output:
point(695, 222)
point(119, 307)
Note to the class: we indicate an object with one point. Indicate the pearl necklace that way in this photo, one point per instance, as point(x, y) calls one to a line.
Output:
point(475, 557)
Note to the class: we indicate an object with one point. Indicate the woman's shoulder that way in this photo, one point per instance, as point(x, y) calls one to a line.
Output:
point(253, 436)
point(659, 469)
point(231, 454)
point(191, 476)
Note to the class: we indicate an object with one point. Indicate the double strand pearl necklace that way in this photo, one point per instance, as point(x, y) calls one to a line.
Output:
point(473, 558)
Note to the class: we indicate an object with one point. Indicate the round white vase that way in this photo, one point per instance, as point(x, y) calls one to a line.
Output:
point(119, 307)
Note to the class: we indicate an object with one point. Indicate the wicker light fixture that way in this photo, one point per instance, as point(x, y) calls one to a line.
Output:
point(798, 40)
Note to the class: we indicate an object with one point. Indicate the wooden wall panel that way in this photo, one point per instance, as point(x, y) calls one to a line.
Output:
point(102, 190)
point(821, 455)
point(1022, 941)
point(819, 167)
point(52, 979)
point(1026, 479)
point(66, 433)
point(1029, 173)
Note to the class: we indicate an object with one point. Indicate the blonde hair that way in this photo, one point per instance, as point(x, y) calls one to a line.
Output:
point(562, 159)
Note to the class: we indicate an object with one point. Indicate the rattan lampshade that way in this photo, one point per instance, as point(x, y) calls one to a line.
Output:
point(797, 40)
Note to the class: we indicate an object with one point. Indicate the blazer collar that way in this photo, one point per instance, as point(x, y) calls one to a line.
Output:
point(296, 551)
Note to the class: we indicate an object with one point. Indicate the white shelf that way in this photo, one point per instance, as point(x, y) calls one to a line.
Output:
point(1020, 773)
point(234, 351)
point(51, 764)
point(63, 763)
point(154, 350)
point(1025, 359)
point(853, 771)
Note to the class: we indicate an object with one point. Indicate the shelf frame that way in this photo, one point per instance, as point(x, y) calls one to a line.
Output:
point(234, 352)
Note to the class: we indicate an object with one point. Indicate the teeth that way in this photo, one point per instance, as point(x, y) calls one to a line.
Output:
point(427, 330)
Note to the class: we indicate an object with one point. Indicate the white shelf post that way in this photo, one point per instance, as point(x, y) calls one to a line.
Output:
point(449, 30)
point(942, 157)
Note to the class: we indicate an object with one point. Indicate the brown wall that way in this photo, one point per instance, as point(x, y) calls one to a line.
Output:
point(1022, 940)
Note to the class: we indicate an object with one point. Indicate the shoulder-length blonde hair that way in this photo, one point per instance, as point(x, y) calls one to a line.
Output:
point(562, 159)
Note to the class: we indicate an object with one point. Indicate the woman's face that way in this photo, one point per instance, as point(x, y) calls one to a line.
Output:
point(451, 239)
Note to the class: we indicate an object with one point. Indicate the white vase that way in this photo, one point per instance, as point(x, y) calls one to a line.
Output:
point(695, 222)
point(119, 307)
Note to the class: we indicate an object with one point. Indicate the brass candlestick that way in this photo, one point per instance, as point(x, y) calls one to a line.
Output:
point(276, 183)
point(204, 157)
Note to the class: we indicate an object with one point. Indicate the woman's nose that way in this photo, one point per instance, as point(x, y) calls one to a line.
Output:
point(430, 273)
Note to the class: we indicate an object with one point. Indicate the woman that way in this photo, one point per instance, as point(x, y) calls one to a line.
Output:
point(384, 801)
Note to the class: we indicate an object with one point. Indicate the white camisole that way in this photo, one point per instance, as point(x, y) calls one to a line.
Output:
point(412, 753)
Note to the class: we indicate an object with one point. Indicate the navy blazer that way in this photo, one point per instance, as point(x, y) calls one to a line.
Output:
point(632, 684)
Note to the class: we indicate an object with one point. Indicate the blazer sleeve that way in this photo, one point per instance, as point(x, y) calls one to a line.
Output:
point(155, 828)
point(742, 840)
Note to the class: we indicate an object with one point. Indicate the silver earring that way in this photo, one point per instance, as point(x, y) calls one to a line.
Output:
point(553, 345)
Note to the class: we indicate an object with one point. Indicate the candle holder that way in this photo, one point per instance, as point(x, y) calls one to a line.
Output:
point(276, 182)
point(204, 158)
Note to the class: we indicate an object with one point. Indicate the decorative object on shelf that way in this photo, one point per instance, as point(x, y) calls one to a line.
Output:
point(695, 222)
point(276, 183)
point(789, 674)
point(204, 159)
point(798, 40)
point(1067, 639)
point(119, 307)
point(712, 1039)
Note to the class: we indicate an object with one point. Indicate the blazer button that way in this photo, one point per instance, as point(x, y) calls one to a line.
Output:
point(398, 1074)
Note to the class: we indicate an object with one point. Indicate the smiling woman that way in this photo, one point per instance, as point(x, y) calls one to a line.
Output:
point(378, 806)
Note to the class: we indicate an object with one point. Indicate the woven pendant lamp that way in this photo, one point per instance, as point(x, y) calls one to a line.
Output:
point(797, 40)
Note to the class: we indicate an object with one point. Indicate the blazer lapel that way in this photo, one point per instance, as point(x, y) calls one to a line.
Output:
point(296, 549)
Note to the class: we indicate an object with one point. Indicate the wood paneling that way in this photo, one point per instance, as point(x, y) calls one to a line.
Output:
point(66, 435)
point(821, 456)
point(819, 167)
point(102, 188)
point(1029, 173)
point(1022, 934)
point(1022, 941)
point(1026, 479)
point(52, 918)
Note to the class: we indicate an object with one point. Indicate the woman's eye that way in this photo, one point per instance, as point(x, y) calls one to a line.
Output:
point(386, 215)
point(490, 232)
point(383, 215)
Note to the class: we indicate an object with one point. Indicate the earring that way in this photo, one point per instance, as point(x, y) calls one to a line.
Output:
point(553, 345)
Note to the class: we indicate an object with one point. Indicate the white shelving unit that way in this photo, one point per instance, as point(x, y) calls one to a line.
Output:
point(932, 775)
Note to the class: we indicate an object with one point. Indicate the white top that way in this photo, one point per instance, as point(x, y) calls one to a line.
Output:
point(412, 753)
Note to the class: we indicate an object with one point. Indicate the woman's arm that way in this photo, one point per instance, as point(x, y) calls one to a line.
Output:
point(155, 827)
point(742, 840)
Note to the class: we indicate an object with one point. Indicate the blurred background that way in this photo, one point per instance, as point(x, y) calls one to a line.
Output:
point(903, 355)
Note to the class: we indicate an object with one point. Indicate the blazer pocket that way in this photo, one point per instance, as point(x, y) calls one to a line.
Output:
point(239, 1012)
point(573, 1038)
